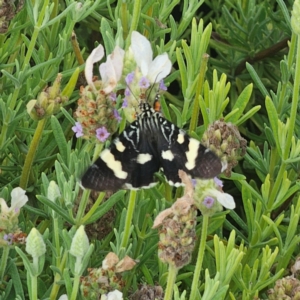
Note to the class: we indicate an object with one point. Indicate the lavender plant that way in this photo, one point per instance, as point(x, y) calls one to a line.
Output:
point(234, 238)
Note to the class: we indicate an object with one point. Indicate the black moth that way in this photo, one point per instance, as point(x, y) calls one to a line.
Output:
point(149, 144)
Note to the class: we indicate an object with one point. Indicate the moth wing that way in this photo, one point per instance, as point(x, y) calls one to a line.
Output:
point(115, 165)
point(181, 152)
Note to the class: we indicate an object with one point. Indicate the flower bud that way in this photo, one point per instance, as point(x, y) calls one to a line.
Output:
point(80, 243)
point(225, 140)
point(35, 245)
point(295, 19)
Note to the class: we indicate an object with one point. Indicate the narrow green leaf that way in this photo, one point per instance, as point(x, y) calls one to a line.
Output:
point(26, 261)
point(240, 104)
point(182, 69)
point(60, 138)
point(257, 80)
point(16, 281)
point(248, 115)
point(178, 115)
point(56, 208)
point(273, 118)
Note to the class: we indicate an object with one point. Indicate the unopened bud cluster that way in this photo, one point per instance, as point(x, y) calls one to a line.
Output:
point(285, 288)
point(48, 102)
point(177, 236)
point(147, 292)
point(107, 278)
point(225, 140)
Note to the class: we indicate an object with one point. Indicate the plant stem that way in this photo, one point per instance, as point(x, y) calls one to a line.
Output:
point(57, 277)
point(81, 208)
point(31, 153)
point(93, 208)
point(194, 290)
point(75, 287)
point(170, 282)
point(33, 287)
point(128, 222)
point(37, 28)
point(3, 262)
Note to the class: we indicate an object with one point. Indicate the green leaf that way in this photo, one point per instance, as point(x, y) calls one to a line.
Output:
point(27, 263)
point(16, 280)
point(178, 115)
point(248, 115)
point(60, 139)
point(56, 208)
point(257, 80)
point(241, 103)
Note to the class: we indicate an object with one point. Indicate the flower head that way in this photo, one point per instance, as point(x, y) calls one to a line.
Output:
point(210, 198)
point(226, 141)
point(177, 234)
point(105, 282)
point(102, 134)
point(147, 72)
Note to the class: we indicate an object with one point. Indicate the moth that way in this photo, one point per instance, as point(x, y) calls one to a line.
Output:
point(147, 145)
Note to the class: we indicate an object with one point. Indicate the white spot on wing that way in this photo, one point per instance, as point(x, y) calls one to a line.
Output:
point(176, 184)
point(191, 154)
point(113, 164)
point(130, 187)
point(180, 138)
point(142, 158)
point(119, 145)
point(224, 166)
point(167, 155)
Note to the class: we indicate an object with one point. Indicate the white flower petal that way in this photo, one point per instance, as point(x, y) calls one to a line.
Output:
point(117, 58)
point(18, 198)
point(159, 68)
point(4, 208)
point(63, 297)
point(94, 57)
point(108, 75)
point(115, 295)
point(142, 51)
point(226, 200)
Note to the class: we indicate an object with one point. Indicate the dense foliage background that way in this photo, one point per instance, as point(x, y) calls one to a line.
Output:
point(251, 80)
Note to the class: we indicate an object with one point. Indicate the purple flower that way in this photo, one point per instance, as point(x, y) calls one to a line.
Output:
point(144, 83)
point(117, 116)
point(112, 96)
point(208, 201)
point(125, 103)
point(129, 78)
point(102, 134)
point(218, 182)
point(8, 238)
point(162, 86)
point(77, 129)
point(127, 92)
